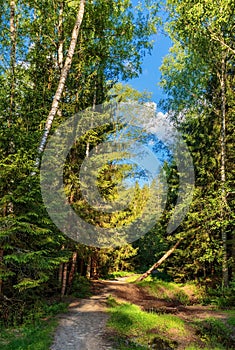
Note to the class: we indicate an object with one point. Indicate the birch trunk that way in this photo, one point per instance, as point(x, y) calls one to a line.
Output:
point(12, 59)
point(63, 77)
point(233, 258)
point(225, 277)
point(61, 36)
point(159, 262)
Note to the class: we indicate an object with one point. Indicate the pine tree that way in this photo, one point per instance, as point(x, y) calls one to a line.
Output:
point(196, 75)
point(35, 37)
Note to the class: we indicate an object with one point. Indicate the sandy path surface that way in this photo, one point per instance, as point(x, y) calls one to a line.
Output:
point(83, 327)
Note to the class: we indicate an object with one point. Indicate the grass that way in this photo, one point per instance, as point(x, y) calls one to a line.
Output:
point(222, 297)
point(171, 291)
point(117, 274)
point(130, 322)
point(231, 320)
point(36, 333)
point(196, 347)
point(137, 329)
point(36, 337)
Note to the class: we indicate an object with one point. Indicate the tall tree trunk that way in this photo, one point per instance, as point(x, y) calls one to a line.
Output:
point(81, 267)
point(73, 268)
point(61, 36)
point(12, 58)
point(159, 262)
point(233, 257)
point(94, 264)
point(225, 277)
point(12, 63)
point(64, 283)
point(61, 269)
point(62, 81)
point(88, 269)
point(1, 263)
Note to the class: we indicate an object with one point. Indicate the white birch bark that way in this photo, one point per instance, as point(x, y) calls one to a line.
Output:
point(63, 77)
point(12, 58)
point(223, 174)
point(60, 35)
point(159, 262)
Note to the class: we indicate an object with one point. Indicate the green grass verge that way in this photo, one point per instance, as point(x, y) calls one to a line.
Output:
point(171, 291)
point(117, 274)
point(36, 333)
point(37, 337)
point(141, 327)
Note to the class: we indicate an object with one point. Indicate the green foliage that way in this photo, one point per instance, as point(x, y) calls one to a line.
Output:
point(231, 321)
point(126, 344)
point(192, 81)
point(125, 92)
point(215, 332)
point(29, 309)
point(37, 330)
point(222, 297)
point(113, 40)
point(81, 287)
point(111, 44)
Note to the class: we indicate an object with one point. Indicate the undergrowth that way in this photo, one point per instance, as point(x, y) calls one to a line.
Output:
point(81, 287)
point(28, 337)
point(36, 332)
point(222, 297)
point(185, 294)
point(216, 333)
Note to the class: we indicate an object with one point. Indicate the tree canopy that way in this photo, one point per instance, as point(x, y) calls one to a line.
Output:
point(59, 58)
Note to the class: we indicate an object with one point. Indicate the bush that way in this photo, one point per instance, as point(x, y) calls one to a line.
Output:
point(81, 287)
point(222, 297)
point(216, 332)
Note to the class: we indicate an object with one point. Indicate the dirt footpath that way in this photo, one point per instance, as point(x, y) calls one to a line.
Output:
point(84, 326)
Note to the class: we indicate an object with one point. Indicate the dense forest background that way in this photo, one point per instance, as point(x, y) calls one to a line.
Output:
point(61, 57)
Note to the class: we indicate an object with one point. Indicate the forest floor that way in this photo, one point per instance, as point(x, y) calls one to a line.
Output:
point(84, 326)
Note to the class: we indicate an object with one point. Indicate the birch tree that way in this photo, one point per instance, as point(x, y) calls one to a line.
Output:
point(63, 77)
point(12, 56)
point(30, 245)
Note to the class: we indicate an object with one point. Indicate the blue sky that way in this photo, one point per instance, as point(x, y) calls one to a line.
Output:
point(151, 74)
